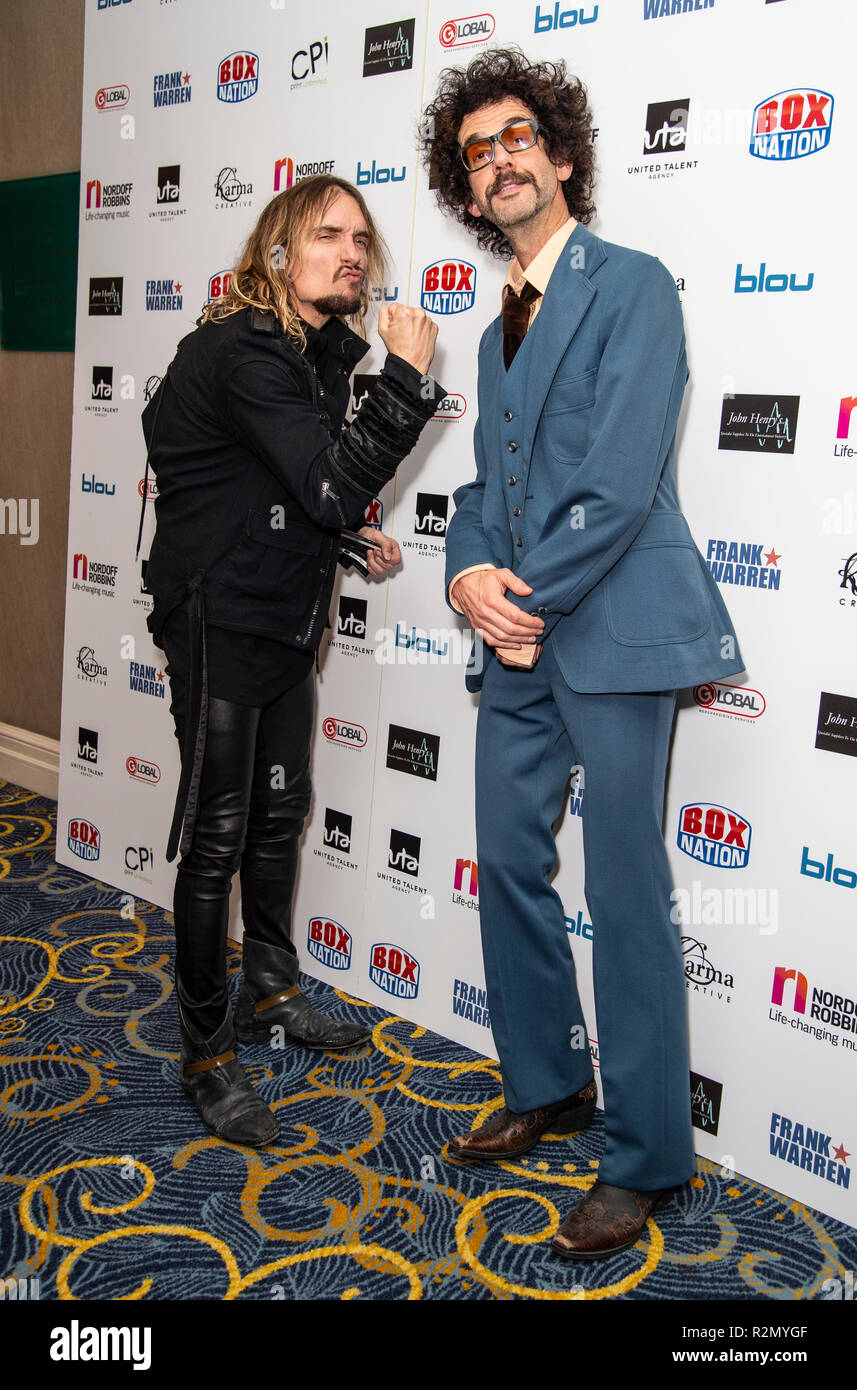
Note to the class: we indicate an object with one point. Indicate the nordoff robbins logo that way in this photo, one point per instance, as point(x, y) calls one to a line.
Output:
point(722, 698)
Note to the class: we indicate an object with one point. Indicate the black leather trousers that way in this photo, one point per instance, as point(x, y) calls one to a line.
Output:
point(254, 796)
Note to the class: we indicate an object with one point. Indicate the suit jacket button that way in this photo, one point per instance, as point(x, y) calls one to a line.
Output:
point(512, 480)
point(517, 511)
point(507, 415)
point(519, 541)
point(512, 447)
point(540, 611)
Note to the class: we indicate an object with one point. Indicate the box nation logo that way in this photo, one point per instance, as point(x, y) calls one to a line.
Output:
point(715, 835)
point(448, 287)
point(792, 124)
point(329, 943)
point(238, 77)
point(394, 970)
point(84, 839)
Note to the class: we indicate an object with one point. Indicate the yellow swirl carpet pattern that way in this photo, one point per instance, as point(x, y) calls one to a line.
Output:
point(111, 1189)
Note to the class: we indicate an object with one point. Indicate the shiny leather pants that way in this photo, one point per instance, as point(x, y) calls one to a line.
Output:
point(254, 796)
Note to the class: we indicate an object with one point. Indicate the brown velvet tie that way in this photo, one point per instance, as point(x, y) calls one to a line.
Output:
point(516, 319)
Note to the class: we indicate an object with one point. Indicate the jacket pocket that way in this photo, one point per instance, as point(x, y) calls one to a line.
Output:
point(564, 425)
point(278, 565)
point(657, 594)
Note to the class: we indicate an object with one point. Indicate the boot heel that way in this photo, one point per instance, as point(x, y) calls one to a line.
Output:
point(572, 1120)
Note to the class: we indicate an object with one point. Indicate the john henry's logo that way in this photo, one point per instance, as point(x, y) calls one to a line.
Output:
point(836, 729)
point(411, 751)
point(171, 88)
point(715, 835)
point(477, 28)
point(374, 513)
point(229, 188)
point(388, 48)
point(362, 383)
point(352, 617)
point(109, 98)
point(87, 745)
point(792, 124)
point(666, 126)
point(394, 970)
point(102, 383)
point(84, 839)
point(87, 664)
point(753, 423)
point(451, 408)
point(163, 295)
point(143, 770)
point(404, 854)
point(724, 698)
point(705, 1099)
point(738, 562)
point(339, 731)
point(330, 943)
point(169, 179)
point(431, 513)
point(809, 1149)
point(472, 885)
point(337, 830)
point(448, 287)
point(238, 77)
point(105, 294)
point(146, 680)
point(219, 284)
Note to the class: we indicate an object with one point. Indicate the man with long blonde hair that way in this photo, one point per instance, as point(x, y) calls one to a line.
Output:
point(257, 477)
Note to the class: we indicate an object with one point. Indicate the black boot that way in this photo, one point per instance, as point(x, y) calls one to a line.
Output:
point(270, 997)
point(216, 1084)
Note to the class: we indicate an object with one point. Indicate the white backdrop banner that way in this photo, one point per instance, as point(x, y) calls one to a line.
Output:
point(723, 133)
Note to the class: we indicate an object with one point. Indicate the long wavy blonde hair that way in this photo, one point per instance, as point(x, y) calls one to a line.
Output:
point(261, 279)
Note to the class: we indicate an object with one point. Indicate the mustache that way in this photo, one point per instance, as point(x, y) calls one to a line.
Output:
point(505, 178)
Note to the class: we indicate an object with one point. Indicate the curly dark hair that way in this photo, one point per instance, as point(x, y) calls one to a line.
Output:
point(557, 100)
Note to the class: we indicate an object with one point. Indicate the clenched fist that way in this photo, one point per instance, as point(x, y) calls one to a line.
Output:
point(409, 333)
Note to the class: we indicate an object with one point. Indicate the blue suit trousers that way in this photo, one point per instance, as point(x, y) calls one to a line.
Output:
point(532, 729)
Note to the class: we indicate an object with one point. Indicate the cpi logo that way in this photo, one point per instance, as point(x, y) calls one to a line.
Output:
point(792, 124)
point(730, 699)
point(84, 839)
point(108, 98)
point(339, 731)
point(448, 287)
point(394, 970)
point(715, 835)
point(455, 33)
point(330, 943)
point(142, 770)
point(238, 77)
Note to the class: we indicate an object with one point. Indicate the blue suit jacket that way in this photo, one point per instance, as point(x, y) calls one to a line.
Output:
point(628, 601)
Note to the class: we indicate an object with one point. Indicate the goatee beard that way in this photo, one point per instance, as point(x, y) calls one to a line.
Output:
point(338, 305)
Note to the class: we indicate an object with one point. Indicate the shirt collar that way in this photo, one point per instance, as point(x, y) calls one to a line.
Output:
point(541, 267)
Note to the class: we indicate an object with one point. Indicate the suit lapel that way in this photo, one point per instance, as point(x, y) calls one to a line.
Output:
point(567, 298)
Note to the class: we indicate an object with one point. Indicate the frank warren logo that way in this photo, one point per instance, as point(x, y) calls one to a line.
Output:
point(163, 296)
point(810, 1149)
point(84, 839)
point(792, 124)
point(448, 287)
point(394, 970)
point(411, 751)
point(836, 730)
point(663, 9)
point(715, 835)
point(105, 295)
point(705, 1100)
point(146, 680)
point(329, 943)
point(171, 88)
point(388, 48)
point(719, 697)
point(342, 731)
point(759, 423)
point(456, 33)
point(470, 1002)
point(238, 77)
point(741, 562)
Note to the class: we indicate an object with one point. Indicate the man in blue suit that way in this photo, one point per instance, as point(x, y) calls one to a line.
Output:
point(569, 554)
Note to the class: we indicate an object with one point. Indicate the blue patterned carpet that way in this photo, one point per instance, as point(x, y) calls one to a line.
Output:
point(111, 1189)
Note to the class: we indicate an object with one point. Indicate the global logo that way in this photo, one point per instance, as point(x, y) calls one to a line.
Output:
point(150, 488)
point(477, 28)
point(340, 731)
point(714, 835)
point(144, 771)
point(723, 698)
point(394, 970)
point(84, 839)
point(448, 287)
point(792, 124)
point(329, 943)
point(451, 408)
point(238, 77)
point(109, 98)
